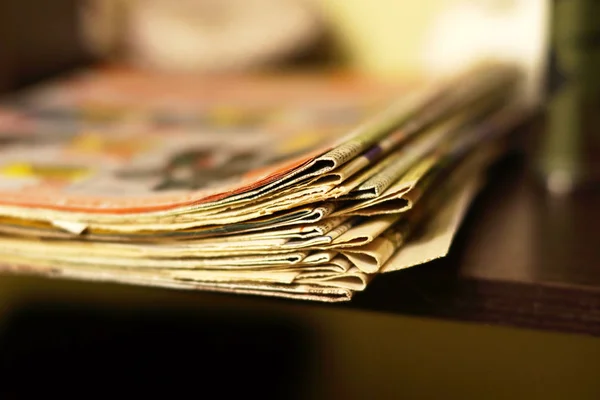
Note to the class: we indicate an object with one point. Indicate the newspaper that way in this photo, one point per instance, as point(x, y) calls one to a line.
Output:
point(306, 189)
point(433, 242)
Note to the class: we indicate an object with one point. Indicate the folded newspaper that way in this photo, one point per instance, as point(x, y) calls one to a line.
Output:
point(299, 186)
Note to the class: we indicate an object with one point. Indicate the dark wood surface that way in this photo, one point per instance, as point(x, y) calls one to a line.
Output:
point(521, 258)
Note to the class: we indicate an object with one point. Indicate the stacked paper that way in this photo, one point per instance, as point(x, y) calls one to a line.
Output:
point(303, 186)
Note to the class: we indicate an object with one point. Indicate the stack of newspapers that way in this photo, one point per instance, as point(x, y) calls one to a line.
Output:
point(303, 186)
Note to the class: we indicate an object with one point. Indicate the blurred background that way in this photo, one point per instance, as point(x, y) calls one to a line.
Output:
point(58, 333)
point(382, 37)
